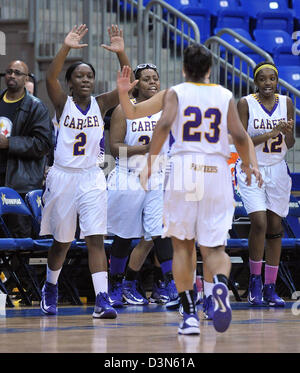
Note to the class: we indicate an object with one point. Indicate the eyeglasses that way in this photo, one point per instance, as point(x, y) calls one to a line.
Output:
point(144, 66)
point(16, 72)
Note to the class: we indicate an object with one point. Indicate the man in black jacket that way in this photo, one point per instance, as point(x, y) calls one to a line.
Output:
point(25, 140)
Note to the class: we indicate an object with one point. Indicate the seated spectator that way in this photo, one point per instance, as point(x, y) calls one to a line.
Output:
point(25, 140)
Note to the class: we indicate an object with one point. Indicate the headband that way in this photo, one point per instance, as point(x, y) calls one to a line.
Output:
point(266, 66)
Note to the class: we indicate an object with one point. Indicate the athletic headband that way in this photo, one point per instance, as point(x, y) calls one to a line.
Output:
point(266, 66)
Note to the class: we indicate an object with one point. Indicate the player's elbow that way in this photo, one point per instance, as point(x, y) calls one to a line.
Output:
point(114, 150)
point(164, 125)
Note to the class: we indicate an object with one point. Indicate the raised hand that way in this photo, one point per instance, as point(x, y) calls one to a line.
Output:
point(123, 80)
point(74, 37)
point(116, 40)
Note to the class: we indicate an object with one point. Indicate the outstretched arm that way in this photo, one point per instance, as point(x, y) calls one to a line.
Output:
point(109, 100)
point(55, 91)
point(160, 133)
point(132, 111)
point(117, 133)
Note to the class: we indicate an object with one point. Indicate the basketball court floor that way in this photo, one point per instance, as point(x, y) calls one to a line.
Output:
point(148, 329)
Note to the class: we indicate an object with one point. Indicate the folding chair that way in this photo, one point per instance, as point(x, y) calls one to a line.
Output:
point(43, 244)
point(290, 244)
point(10, 248)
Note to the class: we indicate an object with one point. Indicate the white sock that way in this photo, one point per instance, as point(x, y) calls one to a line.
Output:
point(100, 282)
point(195, 275)
point(52, 276)
point(208, 286)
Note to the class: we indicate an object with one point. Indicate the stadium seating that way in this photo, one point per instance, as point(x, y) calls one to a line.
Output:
point(291, 74)
point(226, 13)
point(181, 4)
point(201, 17)
point(282, 56)
point(270, 40)
point(296, 10)
point(268, 14)
point(236, 43)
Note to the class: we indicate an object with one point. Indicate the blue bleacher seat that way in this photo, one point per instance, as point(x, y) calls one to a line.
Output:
point(267, 14)
point(282, 56)
point(201, 17)
point(270, 40)
point(180, 4)
point(256, 6)
point(227, 13)
point(296, 8)
point(236, 43)
point(291, 74)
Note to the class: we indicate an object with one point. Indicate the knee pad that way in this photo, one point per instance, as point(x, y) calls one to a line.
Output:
point(272, 236)
point(163, 249)
point(121, 247)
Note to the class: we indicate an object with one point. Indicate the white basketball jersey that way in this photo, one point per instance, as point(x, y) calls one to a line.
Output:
point(80, 136)
point(201, 122)
point(262, 120)
point(139, 132)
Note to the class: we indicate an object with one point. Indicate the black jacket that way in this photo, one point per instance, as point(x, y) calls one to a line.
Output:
point(29, 143)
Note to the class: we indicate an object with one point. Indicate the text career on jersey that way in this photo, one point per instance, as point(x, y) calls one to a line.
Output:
point(150, 362)
point(267, 124)
point(79, 123)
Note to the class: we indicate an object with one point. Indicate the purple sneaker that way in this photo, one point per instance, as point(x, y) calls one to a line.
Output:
point(159, 293)
point(115, 291)
point(132, 295)
point(174, 300)
point(255, 297)
point(197, 295)
point(208, 307)
point(189, 324)
point(49, 299)
point(271, 298)
point(103, 309)
point(222, 311)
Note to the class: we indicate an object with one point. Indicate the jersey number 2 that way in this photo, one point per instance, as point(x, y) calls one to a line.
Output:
point(78, 148)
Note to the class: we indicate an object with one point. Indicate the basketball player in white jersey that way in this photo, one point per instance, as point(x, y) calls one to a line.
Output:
point(268, 118)
point(132, 212)
point(75, 185)
point(198, 202)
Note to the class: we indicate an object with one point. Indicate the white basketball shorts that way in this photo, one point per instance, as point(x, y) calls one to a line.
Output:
point(69, 193)
point(132, 212)
point(274, 195)
point(198, 200)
